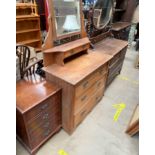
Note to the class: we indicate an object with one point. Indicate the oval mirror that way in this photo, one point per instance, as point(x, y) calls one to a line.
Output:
point(102, 13)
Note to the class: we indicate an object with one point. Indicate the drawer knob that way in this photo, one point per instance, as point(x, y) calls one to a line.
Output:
point(44, 106)
point(46, 124)
point(83, 98)
point(98, 84)
point(45, 116)
point(85, 84)
point(72, 52)
point(83, 113)
point(47, 132)
point(83, 46)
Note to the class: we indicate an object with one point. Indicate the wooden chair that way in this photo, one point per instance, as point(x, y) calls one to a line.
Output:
point(27, 68)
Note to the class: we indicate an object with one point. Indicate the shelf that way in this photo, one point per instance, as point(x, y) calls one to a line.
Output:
point(29, 41)
point(26, 31)
point(26, 16)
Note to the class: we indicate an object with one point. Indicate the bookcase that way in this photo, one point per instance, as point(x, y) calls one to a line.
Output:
point(28, 26)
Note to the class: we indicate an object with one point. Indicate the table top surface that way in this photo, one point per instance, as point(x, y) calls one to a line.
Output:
point(32, 90)
point(76, 70)
point(110, 46)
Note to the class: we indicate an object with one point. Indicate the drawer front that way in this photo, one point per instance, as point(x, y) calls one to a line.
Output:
point(76, 50)
point(84, 98)
point(78, 118)
point(123, 53)
point(89, 81)
point(98, 96)
point(114, 59)
point(45, 118)
point(114, 67)
point(43, 131)
point(46, 104)
point(114, 74)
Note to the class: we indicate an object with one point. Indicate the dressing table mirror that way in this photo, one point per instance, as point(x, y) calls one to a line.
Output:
point(100, 34)
point(69, 63)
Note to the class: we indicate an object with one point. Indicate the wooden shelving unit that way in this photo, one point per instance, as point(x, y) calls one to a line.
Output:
point(28, 26)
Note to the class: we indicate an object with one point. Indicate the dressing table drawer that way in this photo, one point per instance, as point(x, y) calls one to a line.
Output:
point(85, 97)
point(93, 100)
point(89, 81)
point(76, 50)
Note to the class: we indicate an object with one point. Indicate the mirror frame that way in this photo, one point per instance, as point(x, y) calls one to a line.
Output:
point(110, 19)
point(51, 36)
point(92, 29)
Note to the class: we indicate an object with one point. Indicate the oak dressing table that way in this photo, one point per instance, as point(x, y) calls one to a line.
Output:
point(70, 64)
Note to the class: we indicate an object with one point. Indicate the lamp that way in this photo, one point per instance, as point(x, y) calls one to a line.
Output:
point(71, 23)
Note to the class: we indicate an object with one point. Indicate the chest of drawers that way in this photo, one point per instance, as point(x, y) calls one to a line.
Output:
point(38, 112)
point(83, 81)
point(117, 49)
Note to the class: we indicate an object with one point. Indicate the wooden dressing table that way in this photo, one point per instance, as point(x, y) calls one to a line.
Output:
point(81, 74)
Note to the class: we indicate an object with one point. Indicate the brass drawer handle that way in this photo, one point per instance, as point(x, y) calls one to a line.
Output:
point(46, 124)
point(98, 84)
point(97, 98)
point(43, 107)
point(47, 132)
point(83, 47)
point(83, 98)
point(83, 113)
point(45, 116)
point(85, 84)
point(72, 52)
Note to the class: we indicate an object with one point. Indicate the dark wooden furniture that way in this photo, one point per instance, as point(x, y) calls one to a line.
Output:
point(103, 41)
point(117, 49)
point(38, 111)
point(28, 26)
point(123, 10)
point(81, 74)
point(121, 30)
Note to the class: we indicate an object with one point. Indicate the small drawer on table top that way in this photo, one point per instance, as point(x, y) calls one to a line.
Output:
point(49, 103)
point(77, 50)
point(89, 81)
point(85, 97)
point(79, 117)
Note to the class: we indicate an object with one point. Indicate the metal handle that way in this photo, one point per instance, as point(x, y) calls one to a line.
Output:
point(83, 113)
point(83, 46)
point(47, 132)
point(99, 83)
point(97, 98)
point(72, 52)
point(85, 84)
point(83, 98)
point(46, 124)
point(44, 106)
point(45, 116)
